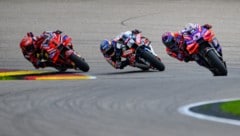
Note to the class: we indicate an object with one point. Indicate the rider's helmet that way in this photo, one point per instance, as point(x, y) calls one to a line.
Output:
point(26, 44)
point(191, 28)
point(136, 31)
point(107, 48)
point(168, 40)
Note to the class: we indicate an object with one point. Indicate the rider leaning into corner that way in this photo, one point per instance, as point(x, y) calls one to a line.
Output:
point(47, 42)
point(112, 53)
point(176, 45)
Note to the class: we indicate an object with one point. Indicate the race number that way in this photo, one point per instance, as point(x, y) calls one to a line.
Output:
point(196, 36)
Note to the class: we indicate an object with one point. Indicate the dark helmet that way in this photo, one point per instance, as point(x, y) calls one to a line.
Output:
point(169, 40)
point(136, 31)
point(106, 48)
point(58, 32)
point(26, 44)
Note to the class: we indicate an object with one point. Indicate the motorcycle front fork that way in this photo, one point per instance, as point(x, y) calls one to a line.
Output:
point(217, 46)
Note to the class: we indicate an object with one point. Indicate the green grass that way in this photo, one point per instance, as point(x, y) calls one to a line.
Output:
point(232, 107)
point(7, 78)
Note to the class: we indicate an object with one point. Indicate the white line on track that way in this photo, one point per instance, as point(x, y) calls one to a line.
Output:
point(185, 110)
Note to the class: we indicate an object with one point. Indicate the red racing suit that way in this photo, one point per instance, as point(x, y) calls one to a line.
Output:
point(31, 53)
point(47, 42)
point(178, 52)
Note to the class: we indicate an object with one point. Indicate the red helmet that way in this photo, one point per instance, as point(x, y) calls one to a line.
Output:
point(27, 44)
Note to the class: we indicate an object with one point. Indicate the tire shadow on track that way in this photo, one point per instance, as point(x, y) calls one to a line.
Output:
point(127, 72)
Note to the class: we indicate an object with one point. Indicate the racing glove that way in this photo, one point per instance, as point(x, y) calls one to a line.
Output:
point(118, 64)
point(124, 64)
point(121, 65)
point(186, 59)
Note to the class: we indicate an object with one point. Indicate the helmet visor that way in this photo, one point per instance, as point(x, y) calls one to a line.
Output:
point(171, 43)
point(110, 51)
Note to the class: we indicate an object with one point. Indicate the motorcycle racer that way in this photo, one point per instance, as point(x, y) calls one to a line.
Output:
point(111, 54)
point(29, 49)
point(112, 51)
point(175, 43)
point(32, 46)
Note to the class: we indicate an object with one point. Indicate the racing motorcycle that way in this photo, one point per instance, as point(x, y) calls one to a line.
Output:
point(202, 46)
point(66, 57)
point(141, 54)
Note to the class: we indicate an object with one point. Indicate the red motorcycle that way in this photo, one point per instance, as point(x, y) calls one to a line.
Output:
point(65, 57)
point(141, 54)
point(202, 45)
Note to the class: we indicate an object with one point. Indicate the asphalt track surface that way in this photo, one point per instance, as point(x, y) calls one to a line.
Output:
point(119, 102)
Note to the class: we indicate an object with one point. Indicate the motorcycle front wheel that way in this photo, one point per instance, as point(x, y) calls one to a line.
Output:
point(79, 62)
point(216, 63)
point(153, 60)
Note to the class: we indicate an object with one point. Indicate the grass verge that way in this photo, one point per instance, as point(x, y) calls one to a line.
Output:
point(232, 107)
